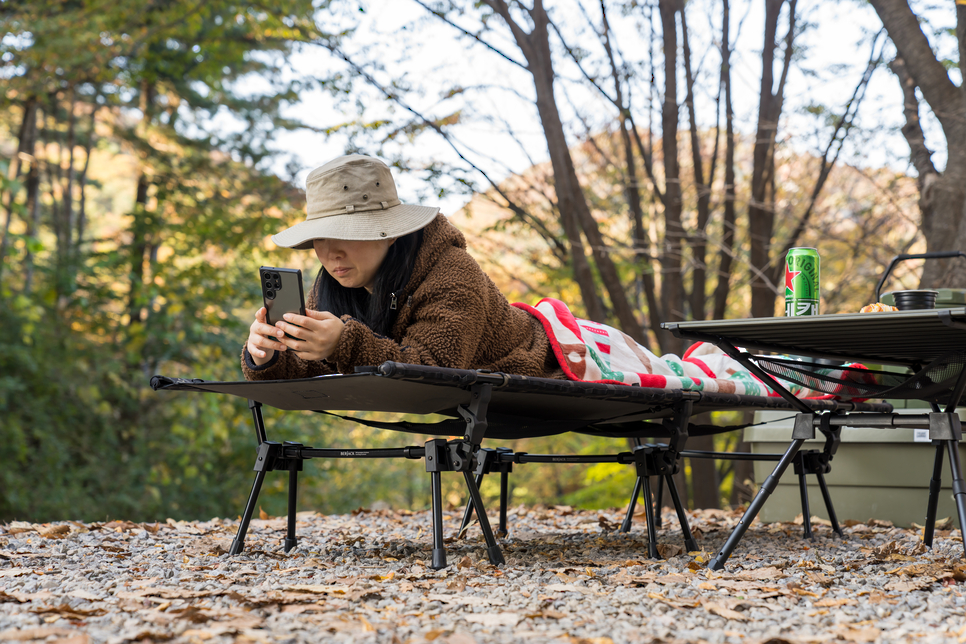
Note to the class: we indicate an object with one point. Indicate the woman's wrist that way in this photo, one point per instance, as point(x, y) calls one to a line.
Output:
point(261, 360)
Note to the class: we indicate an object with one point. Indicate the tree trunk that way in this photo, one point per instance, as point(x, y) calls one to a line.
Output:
point(140, 225)
point(761, 210)
point(672, 283)
point(26, 137)
point(942, 196)
point(699, 239)
point(723, 284)
point(704, 474)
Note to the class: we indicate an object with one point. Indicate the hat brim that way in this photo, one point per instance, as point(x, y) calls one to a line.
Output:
point(370, 225)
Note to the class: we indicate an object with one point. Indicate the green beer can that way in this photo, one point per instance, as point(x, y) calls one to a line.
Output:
point(801, 281)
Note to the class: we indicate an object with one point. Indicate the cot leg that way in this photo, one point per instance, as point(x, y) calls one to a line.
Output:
point(828, 504)
point(501, 530)
point(238, 544)
point(293, 487)
point(492, 550)
point(959, 486)
point(934, 486)
point(769, 485)
point(803, 489)
point(468, 511)
point(631, 506)
point(658, 502)
point(439, 550)
point(672, 490)
point(649, 516)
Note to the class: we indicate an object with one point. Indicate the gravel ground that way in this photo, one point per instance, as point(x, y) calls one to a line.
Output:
point(570, 577)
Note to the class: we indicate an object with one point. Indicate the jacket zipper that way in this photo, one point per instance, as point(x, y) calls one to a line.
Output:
point(392, 303)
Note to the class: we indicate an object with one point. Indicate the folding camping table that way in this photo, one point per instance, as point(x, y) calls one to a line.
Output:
point(480, 405)
point(929, 344)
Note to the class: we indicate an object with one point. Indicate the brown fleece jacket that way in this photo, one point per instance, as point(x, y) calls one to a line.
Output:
point(450, 315)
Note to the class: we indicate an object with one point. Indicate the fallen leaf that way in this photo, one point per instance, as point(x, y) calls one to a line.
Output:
point(466, 600)
point(547, 613)
point(831, 603)
point(673, 579)
point(334, 589)
point(912, 584)
point(717, 608)
point(15, 572)
point(667, 550)
point(66, 611)
point(53, 531)
point(36, 633)
point(674, 601)
point(16, 527)
point(460, 638)
point(864, 634)
point(761, 574)
point(570, 588)
point(807, 593)
point(494, 619)
point(262, 514)
point(606, 524)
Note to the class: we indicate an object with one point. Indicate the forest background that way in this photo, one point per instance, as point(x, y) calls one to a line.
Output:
point(642, 160)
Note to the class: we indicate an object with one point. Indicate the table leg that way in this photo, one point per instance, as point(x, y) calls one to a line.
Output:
point(803, 490)
point(959, 487)
point(828, 504)
point(769, 485)
point(935, 483)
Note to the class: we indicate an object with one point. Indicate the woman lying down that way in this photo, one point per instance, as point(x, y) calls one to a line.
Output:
point(396, 283)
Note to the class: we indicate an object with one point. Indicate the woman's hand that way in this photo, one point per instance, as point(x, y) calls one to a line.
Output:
point(315, 334)
point(263, 339)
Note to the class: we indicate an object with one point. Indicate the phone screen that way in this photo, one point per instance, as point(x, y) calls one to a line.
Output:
point(281, 292)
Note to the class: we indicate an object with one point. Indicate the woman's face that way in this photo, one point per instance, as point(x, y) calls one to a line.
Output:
point(354, 264)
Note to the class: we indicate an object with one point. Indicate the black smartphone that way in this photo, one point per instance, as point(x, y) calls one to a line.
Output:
point(281, 292)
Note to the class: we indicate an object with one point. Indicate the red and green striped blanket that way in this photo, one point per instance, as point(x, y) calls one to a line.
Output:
point(594, 352)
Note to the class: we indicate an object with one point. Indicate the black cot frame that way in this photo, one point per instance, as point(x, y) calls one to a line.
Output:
point(480, 405)
point(930, 344)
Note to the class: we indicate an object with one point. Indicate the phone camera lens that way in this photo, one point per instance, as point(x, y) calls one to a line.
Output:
point(269, 295)
point(278, 284)
point(268, 284)
point(276, 276)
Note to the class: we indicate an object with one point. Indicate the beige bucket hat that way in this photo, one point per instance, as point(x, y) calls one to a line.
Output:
point(353, 198)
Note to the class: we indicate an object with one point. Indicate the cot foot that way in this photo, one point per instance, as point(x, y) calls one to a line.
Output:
point(439, 558)
point(495, 555)
point(236, 547)
point(288, 544)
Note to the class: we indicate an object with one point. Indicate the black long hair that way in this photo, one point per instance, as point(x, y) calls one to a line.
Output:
point(375, 309)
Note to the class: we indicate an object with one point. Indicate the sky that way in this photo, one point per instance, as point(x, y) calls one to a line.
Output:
point(425, 53)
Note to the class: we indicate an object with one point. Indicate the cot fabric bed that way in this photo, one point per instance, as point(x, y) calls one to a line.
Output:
point(478, 406)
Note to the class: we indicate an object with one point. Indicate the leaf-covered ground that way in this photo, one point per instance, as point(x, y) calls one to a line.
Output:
point(570, 577)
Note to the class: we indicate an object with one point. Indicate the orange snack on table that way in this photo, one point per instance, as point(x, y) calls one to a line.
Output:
point(878, 307)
